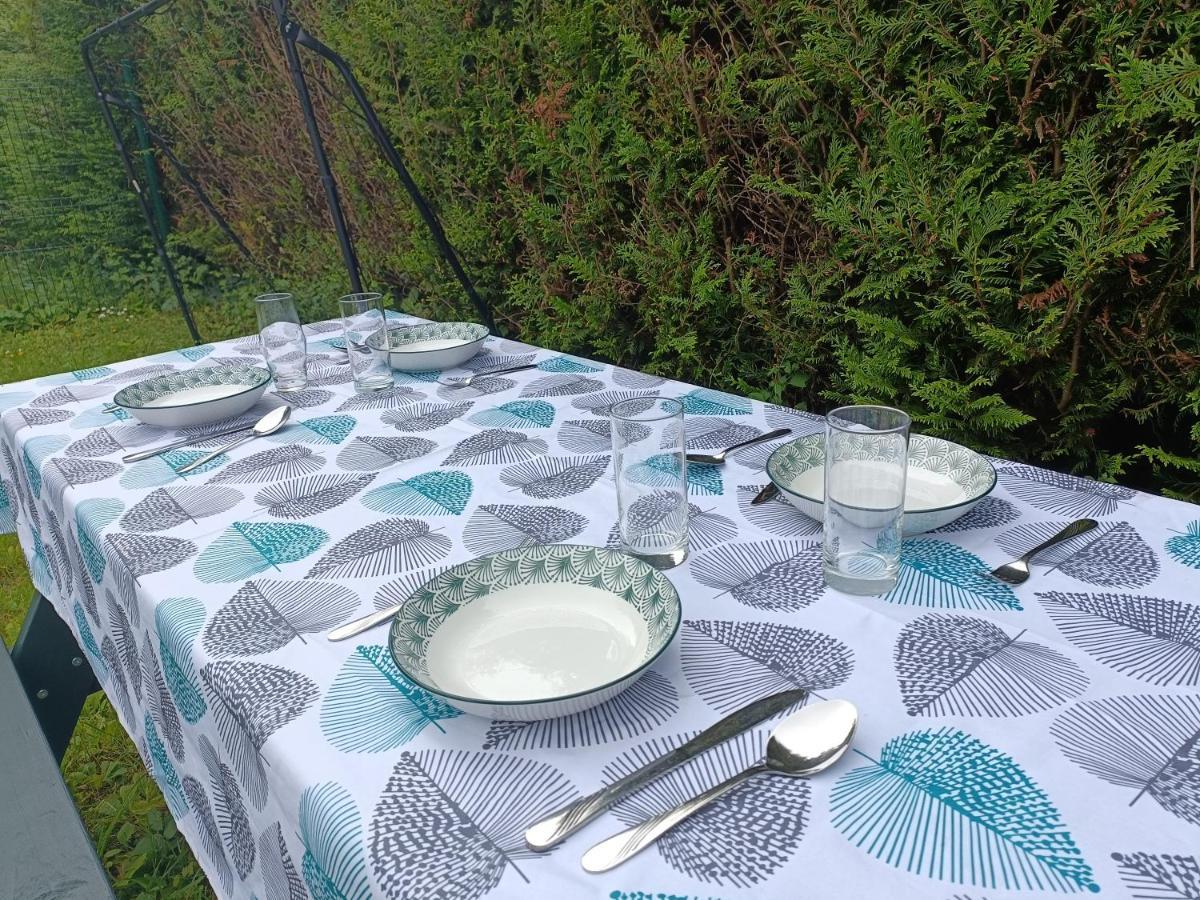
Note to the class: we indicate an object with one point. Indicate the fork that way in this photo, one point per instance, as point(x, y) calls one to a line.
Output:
point(1017, 571)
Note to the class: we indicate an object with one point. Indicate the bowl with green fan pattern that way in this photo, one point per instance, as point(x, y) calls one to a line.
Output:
point(535, 632)
point(430, 347)
point(195, 397)
point(945, 480)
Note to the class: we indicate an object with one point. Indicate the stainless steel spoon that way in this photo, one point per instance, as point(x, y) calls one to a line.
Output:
point(716, 459)
point(268, 424)
point(469, 380)
point(803, 744)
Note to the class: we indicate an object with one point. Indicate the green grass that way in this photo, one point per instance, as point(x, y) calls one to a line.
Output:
point(121, 805)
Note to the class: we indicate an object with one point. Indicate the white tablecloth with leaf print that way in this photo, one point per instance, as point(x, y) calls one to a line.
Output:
point(1038, 739)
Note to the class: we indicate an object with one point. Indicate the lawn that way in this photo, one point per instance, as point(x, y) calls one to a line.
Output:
point(122, 807)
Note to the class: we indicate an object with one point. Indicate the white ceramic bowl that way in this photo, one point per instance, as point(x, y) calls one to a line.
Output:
point(945, 480)
point(536, 632)
point(196, 397)
point(432, 347)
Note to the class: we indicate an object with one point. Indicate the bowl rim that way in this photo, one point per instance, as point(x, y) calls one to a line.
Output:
point(264, 377)
point(768, 468)
point(465, 343)
point(557, 698)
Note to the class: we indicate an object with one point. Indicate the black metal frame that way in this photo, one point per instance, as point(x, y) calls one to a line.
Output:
point(292, 35)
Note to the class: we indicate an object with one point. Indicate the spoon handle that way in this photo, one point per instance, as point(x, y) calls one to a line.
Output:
point(611, 852)
point(182, 442)
point(769, 436)
point(358, 626)
point(211, 456)
point(1074, 530)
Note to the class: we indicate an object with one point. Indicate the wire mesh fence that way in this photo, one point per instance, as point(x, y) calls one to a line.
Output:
point(63, 217)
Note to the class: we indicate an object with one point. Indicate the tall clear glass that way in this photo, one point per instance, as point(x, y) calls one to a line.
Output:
point(651, 470)
point(283, 345)
point(866, 470)
point(362, 319)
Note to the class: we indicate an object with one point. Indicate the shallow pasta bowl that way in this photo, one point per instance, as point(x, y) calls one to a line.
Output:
point(431, 347)
point(945, 480)
point(196, 397)
point(536, 632)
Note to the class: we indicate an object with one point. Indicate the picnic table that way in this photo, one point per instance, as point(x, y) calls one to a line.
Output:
point(1037, 739)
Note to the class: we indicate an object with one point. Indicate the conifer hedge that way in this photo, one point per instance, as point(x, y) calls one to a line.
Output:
point(982, 211)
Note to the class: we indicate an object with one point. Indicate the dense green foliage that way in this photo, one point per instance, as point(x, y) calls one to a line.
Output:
point(981, 211)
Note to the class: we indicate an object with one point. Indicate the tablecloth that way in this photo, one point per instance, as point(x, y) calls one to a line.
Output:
point(1043, 738)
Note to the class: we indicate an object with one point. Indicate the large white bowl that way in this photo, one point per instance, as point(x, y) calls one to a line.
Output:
point(945, 480)
point(196, 397)
point(536, 632)
point(428, 348)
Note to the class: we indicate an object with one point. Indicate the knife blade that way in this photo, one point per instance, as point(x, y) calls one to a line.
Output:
point(765, 494)
point(566, 821)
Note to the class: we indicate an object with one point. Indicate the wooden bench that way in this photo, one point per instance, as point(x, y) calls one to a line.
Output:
point(44, 849)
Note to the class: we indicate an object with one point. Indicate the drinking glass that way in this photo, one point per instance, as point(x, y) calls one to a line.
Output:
point(283, 345)
point(866, 468)
point(651, 471)
point(362, 319)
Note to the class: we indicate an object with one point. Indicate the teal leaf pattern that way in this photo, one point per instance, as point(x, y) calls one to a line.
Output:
point(245, 549)
point(945, 805)
point(164, 772)
point(34, 455)
point(321, 430)
point(163, 470)
point(178, 621)
point(437, 493)
point(938, 573)
point(566, 364)
point(662, 470)
point(372, 707)
point(516, 414)
point(88, 640)
point(1185, 548)
point(334, 863)
point(91, 518)
point(704, 402)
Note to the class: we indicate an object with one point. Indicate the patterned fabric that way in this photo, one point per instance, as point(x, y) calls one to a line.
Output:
point(1037, 739)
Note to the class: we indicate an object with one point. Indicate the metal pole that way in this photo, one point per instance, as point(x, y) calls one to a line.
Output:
point(159, 245)
point(383, 140)
point(139, 125)
point(286, 32)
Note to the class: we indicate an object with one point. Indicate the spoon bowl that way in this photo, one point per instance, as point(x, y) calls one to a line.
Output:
point(805, 743)
point(268, 424)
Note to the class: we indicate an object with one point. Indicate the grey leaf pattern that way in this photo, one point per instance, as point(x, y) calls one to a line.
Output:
point(496, 526)
point(777, 575)
point(231, 818)
point(482, 388)
point(706, 528)
point(714, 433)
point(206, 824)
point(280, 879)
point(305, 399)
point(159, 701)
point(646, 704)
point(601, 403)
point(271, 465)
point(1064, 494)
point(776, 515)
point(730, 664)
point(117, 683)
point(990, 512)
point(478, 805)
point(251, 701)
point(370, 454)
point(1111, 555)
point(125, 643)
point(563, 385)
point(265, 615)
point(171, 506)
point(389, 398)
point(143, 554)
point(399, 590)
point(495, 446)
point(1159, 876)
point(424, 416)
point(304, 497)
point(588, 436)
point(554, 477)
point(383, 548)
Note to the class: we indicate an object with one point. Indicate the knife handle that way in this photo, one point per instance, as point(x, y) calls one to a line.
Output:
point(568, 820)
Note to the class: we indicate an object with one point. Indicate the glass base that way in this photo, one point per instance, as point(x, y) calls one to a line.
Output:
point(285, 385)
point(375, 383)
point(667, 559)
point(865, 573)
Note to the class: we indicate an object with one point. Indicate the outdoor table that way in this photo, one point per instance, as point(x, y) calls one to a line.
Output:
point(1042, 738)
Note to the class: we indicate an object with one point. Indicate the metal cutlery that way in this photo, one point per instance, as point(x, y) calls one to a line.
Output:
point(358, 626)
point(1017, 571)
point(469, 380)
point(268, 424)
point(769, 492)
point(566, 821)
point(718, 458)
point(183, 442)
point(803, 744)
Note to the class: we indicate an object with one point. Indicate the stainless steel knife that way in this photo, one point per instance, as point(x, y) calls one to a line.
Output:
point(566, 821)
